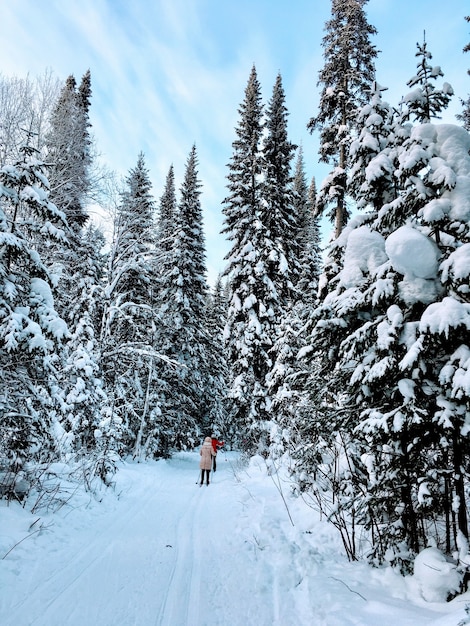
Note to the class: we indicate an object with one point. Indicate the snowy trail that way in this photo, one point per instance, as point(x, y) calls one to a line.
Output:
point(140, 565)
point(108, 567)
point(178, 605)
point(165, 552)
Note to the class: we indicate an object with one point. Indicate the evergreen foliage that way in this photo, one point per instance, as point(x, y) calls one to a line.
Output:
point(246, 341)
point(344, 80)
point(426, 102)
point(182, 336)
point(216, 315)
point(310, 259)
point(280, 217)
point(386, 415)
point(257, 270)
point(356, 370)
point(69, 150)
point(82, 395)
point(30, 328)
point(128, 317)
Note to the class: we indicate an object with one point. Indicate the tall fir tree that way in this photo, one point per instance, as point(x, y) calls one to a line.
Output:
point(69, 158)
point(182, 336)
point(82, 396)
point(127, 330)
point(253, 273)
point(310, 256)
point(216, 315)
point(68, 147)
point(288, 376)
point(164, 396)
point(280, 217)
point(373, 153)
point(166, 221)
point(395, 322)
point(345, 77)
point(30, 328)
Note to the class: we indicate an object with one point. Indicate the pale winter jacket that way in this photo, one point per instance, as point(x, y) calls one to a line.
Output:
point(207, 452)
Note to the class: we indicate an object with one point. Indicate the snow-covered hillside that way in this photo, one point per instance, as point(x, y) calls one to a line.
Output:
point(160, 550)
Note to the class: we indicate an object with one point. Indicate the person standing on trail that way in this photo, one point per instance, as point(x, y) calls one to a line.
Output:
point(207, 452)
point(216, 444)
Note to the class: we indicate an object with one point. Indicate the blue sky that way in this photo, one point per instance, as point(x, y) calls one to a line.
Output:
point(168, 73)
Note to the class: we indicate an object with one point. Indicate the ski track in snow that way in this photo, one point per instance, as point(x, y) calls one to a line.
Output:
point(63, 590)
point(165, 552)
point(178, 606)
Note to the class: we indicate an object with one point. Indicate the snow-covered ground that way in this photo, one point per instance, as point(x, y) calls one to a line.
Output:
point(160, 550)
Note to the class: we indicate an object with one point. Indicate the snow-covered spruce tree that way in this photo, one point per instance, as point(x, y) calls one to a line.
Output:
point(288, 375)
point(397, 323)
point(311, 261)
point(164, 406)
point(327, 416)
point(218, 417)
point(416, 340)
point(30, 328)
point(127, 330)
point(345, 77)
point(425, 102)
point(68, 146)
point(373, 154)
point(166, 222)
point(90, 430)
point(253, 275)
point(426, 172)
point(69, 157)
point(280, 217)
point(182, 334)
point(286, 214)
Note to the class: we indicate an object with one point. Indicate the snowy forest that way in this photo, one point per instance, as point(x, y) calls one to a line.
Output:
point(345, 361)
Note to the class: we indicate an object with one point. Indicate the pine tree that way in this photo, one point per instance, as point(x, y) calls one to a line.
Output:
point(345, 78)
point(281, 219)
point(309, 239)
point(68, 150)
point(30, 328)
point(166, 219)
point(182, 334)
point(82, 388)
point(218, 417)
point(253, 272)
point(288, 376)
point(128, 319)
point(373, 154)
point(165, 406)
point(425, 102)
point(393, 323)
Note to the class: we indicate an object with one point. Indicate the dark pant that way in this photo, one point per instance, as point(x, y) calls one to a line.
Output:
point(202, 476)
point(214, 464)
